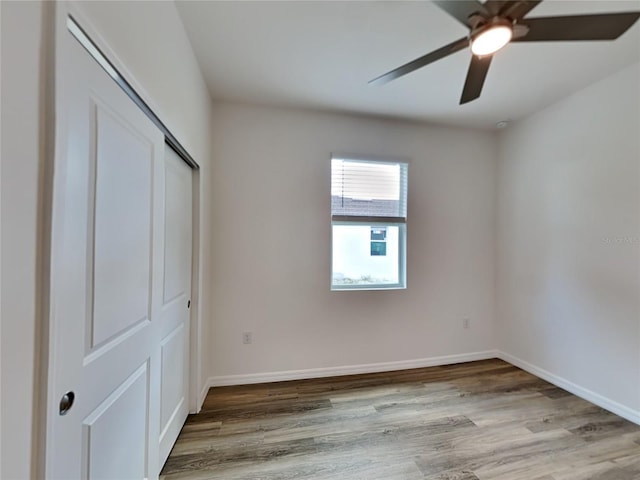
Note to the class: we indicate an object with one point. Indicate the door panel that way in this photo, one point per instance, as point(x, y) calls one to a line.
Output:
point(124, 410)
point(106, 277)
point(176, 297)
point(173, 358)
point(178, 199)
point(123, 217)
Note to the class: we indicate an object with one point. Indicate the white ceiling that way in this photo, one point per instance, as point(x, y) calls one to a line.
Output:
point(321, 55)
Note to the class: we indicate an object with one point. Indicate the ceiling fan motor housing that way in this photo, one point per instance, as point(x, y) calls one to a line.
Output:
point(489, 37)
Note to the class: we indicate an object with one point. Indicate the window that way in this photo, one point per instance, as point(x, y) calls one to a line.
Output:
point(368, 223)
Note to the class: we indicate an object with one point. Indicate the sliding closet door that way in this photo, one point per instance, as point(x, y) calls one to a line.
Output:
point(176, 300)
point(120, 282)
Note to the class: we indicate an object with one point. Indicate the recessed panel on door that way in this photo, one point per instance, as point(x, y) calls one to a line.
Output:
point(177, 238)
point(122, 227)
point(173, 368)
point(115, 434)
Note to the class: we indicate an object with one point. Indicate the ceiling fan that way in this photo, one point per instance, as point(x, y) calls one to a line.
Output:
point(495, 23)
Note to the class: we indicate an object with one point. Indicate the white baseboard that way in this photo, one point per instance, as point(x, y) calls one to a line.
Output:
point(203, 394)
point(224, 380)
point(595, 398)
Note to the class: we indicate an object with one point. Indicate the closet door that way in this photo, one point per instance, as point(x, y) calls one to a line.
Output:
point(176, 300)
point(108, 291)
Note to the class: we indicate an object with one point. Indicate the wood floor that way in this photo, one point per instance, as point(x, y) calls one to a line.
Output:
point(482, 420)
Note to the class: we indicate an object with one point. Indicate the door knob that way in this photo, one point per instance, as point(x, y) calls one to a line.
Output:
point(66, 402)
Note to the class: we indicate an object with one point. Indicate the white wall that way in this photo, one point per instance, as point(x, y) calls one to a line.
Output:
point(21, 114)
point(569, 242)
point(271, 184)
point(159, 62)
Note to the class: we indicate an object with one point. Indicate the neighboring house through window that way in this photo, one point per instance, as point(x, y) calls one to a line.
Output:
point(368, 219)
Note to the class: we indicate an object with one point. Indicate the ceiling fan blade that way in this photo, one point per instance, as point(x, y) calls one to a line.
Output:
point(517, 10)
point(606, 26)
point(461, 10)
point(475, 78)
point(422, 61)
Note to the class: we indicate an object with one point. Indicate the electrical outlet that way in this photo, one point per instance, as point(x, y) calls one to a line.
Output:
point(466, 323)
point(247, 338)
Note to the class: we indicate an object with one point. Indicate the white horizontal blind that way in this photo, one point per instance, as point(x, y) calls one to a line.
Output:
point(372, 191)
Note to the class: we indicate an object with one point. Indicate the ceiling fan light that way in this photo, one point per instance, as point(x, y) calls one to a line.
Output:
point(491, 39)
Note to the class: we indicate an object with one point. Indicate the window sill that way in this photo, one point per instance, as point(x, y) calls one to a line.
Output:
point(368, 288)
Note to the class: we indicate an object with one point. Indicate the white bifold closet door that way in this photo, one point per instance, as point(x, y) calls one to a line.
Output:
point(120, 282)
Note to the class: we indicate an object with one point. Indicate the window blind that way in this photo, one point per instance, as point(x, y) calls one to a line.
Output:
point(368, 191)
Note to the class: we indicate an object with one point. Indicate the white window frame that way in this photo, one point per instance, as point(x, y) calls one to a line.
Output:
point(399, 222)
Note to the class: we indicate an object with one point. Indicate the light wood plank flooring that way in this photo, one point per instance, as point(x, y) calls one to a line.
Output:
point(483, 420)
